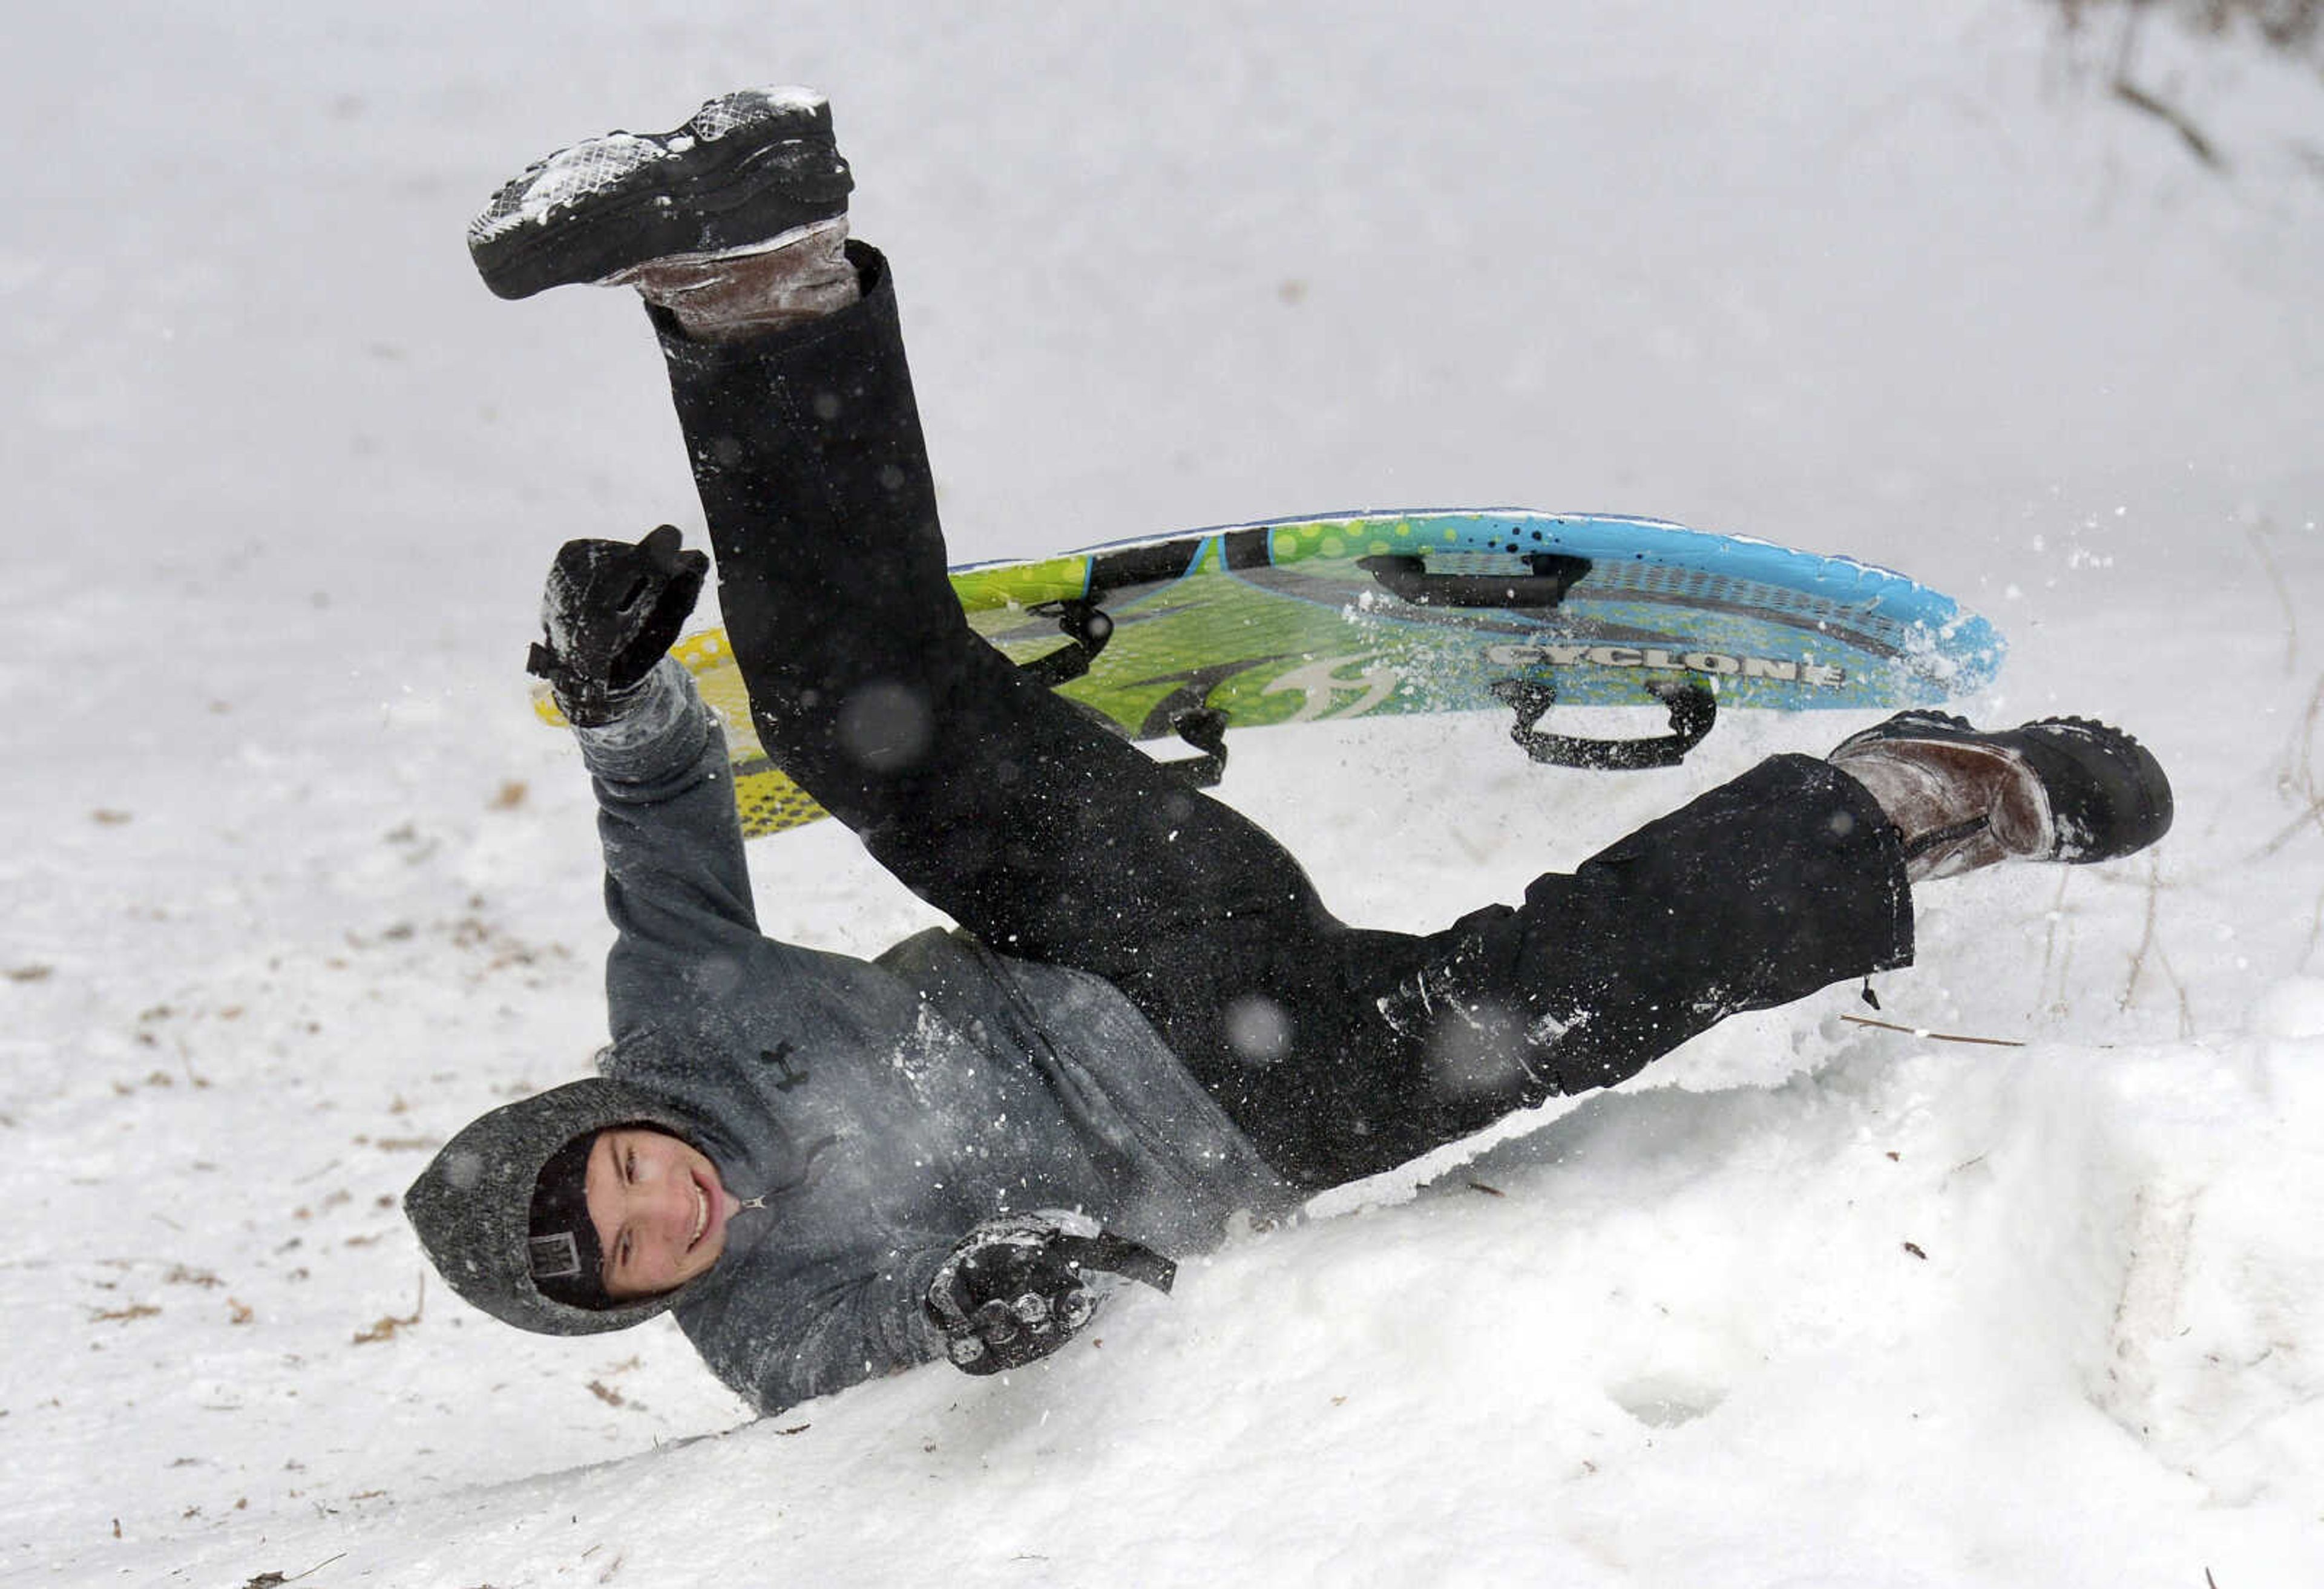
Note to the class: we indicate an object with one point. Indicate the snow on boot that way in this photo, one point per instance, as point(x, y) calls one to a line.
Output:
point(2064, 789)
point(744, 169)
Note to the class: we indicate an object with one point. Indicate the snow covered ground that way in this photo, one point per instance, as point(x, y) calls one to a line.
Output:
point(298, 887)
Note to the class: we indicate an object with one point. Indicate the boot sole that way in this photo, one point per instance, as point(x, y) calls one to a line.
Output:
point(727, 188)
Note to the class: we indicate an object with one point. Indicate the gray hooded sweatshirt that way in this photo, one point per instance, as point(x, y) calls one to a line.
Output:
point(879, 1110)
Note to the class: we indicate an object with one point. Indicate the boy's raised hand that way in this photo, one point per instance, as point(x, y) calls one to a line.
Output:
point(610, 610)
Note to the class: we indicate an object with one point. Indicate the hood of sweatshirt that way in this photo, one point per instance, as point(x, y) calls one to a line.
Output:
point(472, 1206)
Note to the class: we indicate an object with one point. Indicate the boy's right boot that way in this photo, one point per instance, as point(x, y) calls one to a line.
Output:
point(2062, 789)
point(735, 222)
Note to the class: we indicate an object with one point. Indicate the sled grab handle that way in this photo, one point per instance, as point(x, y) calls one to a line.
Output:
point(1203, 729)
point(1692, 710)
point(1407, 578)
point(1086, 627)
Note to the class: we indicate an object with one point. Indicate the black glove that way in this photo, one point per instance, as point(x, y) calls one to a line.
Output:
point(611, 611)
point(1017, 1288)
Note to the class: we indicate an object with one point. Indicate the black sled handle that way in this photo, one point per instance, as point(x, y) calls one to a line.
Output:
point(1204, 728)
point(1407, 578)
point(1692, 710)
point(1086, 630)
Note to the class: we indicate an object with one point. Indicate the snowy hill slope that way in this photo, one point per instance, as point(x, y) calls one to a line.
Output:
point(300, 887)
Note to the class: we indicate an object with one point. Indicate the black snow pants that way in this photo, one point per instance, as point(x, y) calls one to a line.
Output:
point(1340, 1052)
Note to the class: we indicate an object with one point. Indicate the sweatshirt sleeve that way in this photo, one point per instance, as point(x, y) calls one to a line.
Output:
point(825, 1327)
point(677, 888)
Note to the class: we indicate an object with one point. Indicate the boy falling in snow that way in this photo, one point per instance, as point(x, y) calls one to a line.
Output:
point(829, 1169)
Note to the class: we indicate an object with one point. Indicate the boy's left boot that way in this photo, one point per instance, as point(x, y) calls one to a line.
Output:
point(2064, 789)
point(735, 224)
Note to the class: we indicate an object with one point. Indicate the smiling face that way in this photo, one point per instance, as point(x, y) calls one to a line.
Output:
point(659, 1208)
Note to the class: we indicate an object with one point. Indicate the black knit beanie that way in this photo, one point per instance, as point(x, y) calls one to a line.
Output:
point(566, 1260)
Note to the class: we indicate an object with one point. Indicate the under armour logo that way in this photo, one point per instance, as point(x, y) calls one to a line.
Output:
point(779, 1056)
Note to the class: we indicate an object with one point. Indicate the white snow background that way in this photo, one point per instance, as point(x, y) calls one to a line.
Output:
point(296, 884)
